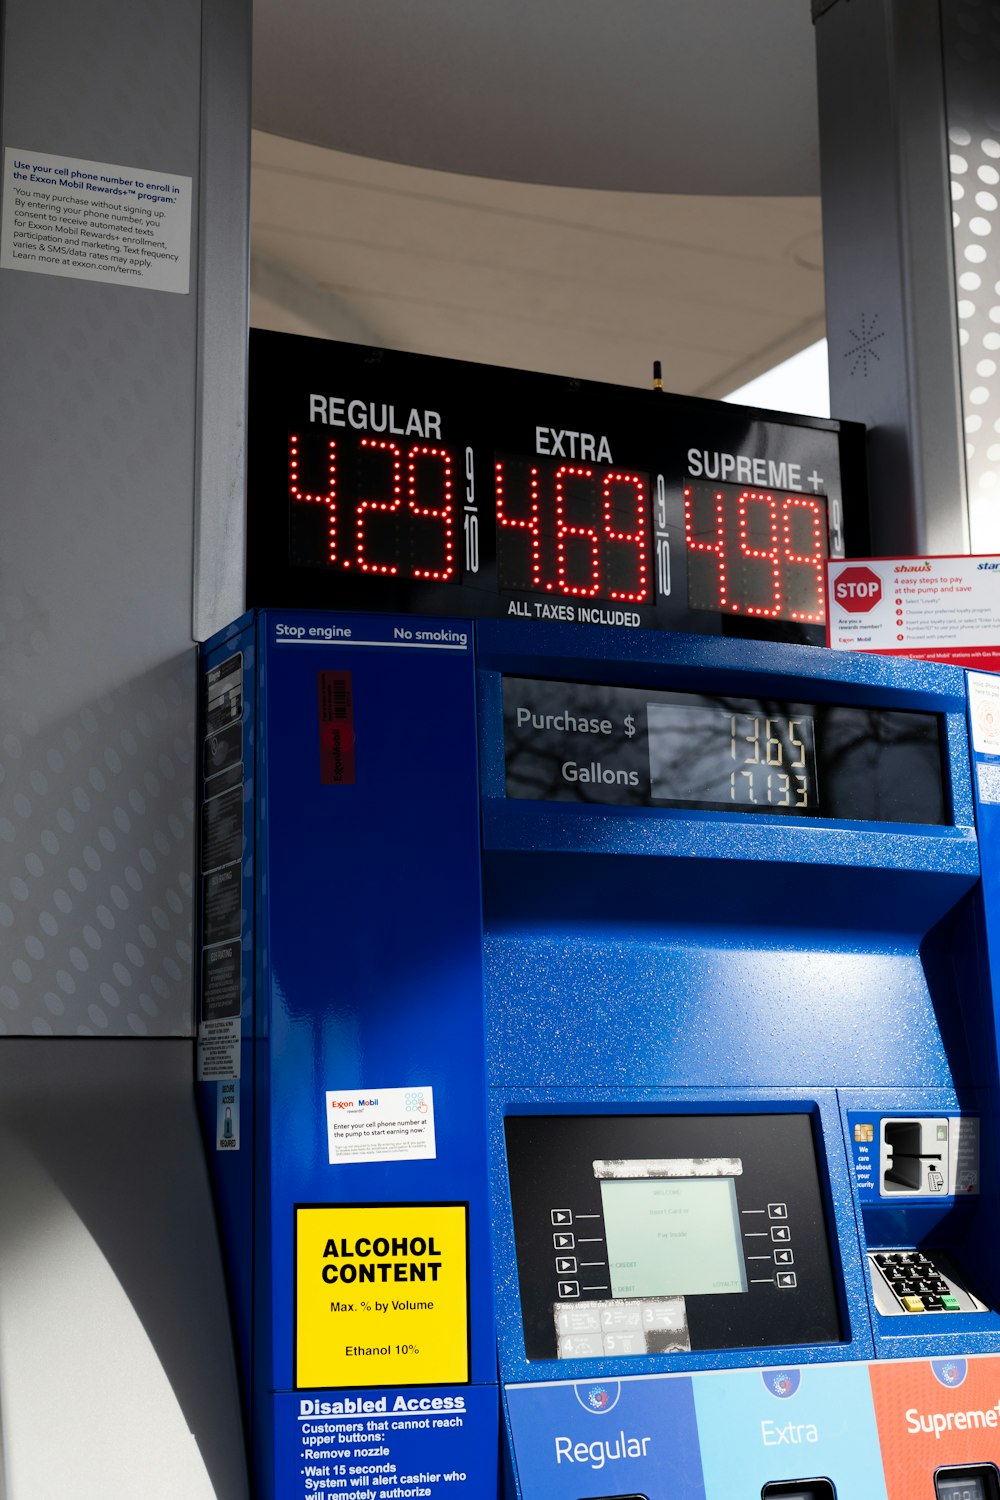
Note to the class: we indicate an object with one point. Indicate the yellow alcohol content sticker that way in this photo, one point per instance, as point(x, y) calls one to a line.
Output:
point(381, 1295)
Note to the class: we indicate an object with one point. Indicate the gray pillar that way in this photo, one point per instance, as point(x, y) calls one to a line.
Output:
point(908, 116)
point(121, 427)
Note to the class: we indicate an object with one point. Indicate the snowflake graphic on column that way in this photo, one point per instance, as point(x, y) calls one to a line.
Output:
point(863, 348)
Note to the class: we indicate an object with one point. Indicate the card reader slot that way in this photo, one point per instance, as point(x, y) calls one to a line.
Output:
point(908, 1165)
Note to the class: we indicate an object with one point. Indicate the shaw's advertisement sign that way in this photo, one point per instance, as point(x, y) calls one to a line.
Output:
point(938, 608)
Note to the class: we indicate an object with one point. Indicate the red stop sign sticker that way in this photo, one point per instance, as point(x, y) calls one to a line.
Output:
point(857, 590)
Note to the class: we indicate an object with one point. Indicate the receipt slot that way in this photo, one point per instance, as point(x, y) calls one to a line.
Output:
point(598, 1062)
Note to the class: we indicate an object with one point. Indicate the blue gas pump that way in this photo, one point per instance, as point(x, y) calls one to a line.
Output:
point(684, 1107)
point(597, 1051)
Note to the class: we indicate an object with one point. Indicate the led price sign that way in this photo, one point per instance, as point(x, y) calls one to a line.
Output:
point(756, 552)
point(575, 530)
point(389, 481)
point(375, 506)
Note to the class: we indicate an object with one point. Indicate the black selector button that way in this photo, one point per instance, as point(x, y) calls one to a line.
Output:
point(800, 1489)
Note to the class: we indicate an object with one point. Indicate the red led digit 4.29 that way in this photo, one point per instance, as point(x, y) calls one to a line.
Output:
point(574, 530)
point(754, 552)
point(390, 508)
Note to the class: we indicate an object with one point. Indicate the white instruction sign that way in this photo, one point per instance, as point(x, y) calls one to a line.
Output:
point(936, 608)
point(380, 1125)
point(219, 1049)
point(94, 221)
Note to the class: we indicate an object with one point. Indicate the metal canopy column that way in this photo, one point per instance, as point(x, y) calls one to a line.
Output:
point(910, 155)
point(121, 431)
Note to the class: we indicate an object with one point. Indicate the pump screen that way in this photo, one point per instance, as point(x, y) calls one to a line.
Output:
point(673, 1237)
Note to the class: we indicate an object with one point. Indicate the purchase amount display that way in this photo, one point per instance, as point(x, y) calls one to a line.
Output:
point(603, 743)
point(390, 481)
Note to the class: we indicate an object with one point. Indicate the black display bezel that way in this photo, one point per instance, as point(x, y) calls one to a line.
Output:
point(494, 411)
point(873, 765)
point(550, 1165)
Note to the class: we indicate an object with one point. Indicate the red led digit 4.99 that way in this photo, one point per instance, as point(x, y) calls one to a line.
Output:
point(754, 552)
point(576, 530)
point(388, 509)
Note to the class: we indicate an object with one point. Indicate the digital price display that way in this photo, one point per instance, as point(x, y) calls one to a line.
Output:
point(756, 552)
point(387, 481)
point(375, 506)
point(650, 747)
point(748, 760)
point(576, 530)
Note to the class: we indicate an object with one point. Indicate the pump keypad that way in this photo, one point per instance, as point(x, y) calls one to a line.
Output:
point(917, 1283)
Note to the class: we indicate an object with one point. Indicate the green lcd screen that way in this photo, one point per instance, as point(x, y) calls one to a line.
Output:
point(673, 1237)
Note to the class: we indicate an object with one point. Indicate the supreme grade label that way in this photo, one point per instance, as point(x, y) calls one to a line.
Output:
point(381, 1294)
point(935, 1412)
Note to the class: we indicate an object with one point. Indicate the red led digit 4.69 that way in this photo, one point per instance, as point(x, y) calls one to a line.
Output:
point(756, 552)
point(379, 507)
point(575, 530)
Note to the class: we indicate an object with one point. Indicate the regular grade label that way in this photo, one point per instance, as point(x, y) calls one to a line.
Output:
point(381, 1295)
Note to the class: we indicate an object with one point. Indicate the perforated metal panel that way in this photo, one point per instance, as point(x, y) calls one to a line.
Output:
point(971, 30)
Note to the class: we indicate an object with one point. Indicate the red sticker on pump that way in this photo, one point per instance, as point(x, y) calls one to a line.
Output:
point(336, 729)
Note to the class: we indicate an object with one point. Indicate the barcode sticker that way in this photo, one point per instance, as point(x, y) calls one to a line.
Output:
point(988, 778)
point(336, 729)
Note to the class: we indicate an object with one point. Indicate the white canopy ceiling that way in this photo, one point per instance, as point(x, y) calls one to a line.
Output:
point(665, 96)
point(576, 186)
